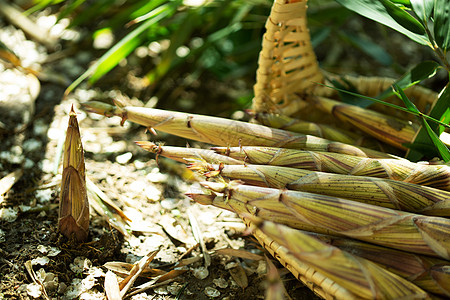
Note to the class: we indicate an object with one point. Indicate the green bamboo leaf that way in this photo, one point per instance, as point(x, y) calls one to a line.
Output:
point(406, 3)
point(124, 47)
point(403, 18)
point(440, 111)
point(376, 11)
point(409, 105)
point(443, 150)
point(423, 9)
point(442, 23)
point(422, 71)
point(187, 24)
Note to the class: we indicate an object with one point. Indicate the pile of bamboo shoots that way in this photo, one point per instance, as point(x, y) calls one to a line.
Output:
point(348, 221)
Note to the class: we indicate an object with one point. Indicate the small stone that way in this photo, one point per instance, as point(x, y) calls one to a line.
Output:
point(220, 282)
point(161, 290)
point(124, 158)
point(262, 267)
point(157, 177)
point(53, 251)
point(152, 193)
point(169, 203)
point(62, 287)
point(34, 290)
point(44, 195)
point(174, 288)
point(80, 264)
point(8, 214)
point(231, 265)
point(212, 292)
point(139, 164)
point(28, 164)
point(200, 273)
point(40, 261)
point(137, 186)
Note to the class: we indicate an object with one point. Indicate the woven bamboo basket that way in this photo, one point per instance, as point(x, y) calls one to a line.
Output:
point(287, 76)
point(288, 70)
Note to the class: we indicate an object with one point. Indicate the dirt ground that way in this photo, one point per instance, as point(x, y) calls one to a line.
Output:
point(151, 194)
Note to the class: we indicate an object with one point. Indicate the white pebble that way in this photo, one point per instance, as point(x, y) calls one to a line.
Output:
point(200, 273)
point(212, 292)
point(152, 193)
point(137, 186)
point(124, 158)
point(157, 177)
point(8, 214)
point(169, 203)
point(44, 195)
point(40, 261)
point(34, 290)
point(220, 282)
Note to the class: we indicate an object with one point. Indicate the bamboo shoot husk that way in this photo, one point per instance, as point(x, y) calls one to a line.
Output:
point(225, 132)
point(305, 127)
point(391, 130)
point(382, 226)
point(429, 273)
point(383, 192)
point(363, 277)
point(187, 155)
point(437, 176)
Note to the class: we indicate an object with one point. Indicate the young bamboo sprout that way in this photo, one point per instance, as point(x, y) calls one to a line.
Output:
point(383, 226)
point(437, 176)
point(363, 277)
point(304, 127)
point(391, 130)
point(225, 132)
point(73, 205)
point(187, 155)
point(429, 273)
point(377, 191)
point(316, 281)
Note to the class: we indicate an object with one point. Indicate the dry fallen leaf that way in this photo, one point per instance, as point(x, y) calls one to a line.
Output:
point(112, 286)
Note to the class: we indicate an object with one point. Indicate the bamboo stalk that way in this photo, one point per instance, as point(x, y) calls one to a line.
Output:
point(391, 130)
point(383, 192)
point(437, 176)
point(363, 277)
point(305, 127)
point(187, 155)
point(225, 132)
point(382, 226)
